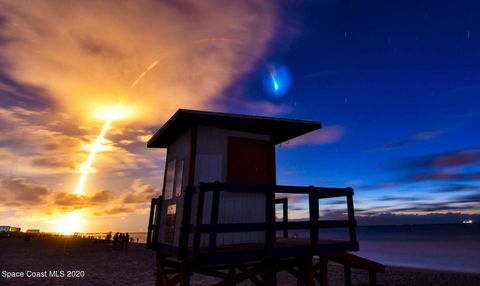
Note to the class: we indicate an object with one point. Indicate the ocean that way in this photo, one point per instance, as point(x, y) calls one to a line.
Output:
point(450, 247)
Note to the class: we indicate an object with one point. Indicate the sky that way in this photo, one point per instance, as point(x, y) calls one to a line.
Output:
point(394, 83)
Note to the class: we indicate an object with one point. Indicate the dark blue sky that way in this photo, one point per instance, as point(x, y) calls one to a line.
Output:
point(402, 79)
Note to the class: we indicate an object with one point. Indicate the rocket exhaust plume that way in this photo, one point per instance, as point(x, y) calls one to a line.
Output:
point(93, 152)
point(110, 115)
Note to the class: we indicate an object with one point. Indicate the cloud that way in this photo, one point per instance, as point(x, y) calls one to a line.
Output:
point(455, 204)
point(409, 219)
point(17, 191)
point(443, 176)
point(443, 160)
point(15, 93)
point(420, 136)
point(461, 158)
point(38, 143)
point(473, 198)
point(37, 203)
point(391, 198)
point(264, 108)
point(326, 135)
point(89, 54)
point(34, 143)
point(141, 193)
point(70, 201)
point(378, 186)
point(115, 211)
point(293, 198)
point(102, 197)
point(452, 188)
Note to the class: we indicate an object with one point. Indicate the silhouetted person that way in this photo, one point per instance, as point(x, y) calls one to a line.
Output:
point(122, 241)
point(108, 237)
point(127, 238)
point(115, 240)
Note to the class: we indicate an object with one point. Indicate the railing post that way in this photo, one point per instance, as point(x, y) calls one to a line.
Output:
point(351, 217)
point(199, 221)
point(269, 219)
point(212, 237)
point(156, 221)
point(284, 202)
point(314, 215)
point(285, 218)
point(151, 226)
point(186, 226)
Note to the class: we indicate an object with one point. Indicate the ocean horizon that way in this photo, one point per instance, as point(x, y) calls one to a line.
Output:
point(448, 247)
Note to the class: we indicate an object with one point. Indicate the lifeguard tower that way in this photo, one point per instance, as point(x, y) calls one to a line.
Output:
point(216, 215)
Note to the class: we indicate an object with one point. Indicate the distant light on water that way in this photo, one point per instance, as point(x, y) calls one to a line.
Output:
point(277, 80)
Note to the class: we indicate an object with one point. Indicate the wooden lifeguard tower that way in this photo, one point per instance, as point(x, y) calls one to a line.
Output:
point(216, 215)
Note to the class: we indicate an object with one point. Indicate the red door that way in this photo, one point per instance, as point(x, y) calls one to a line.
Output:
point(250, 161)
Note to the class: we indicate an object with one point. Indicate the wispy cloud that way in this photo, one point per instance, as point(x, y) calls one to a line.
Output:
point(264, 108)
point(417, 137)
point(326, 135)
point(459, 158)
point(398, 219)
point(443, 176)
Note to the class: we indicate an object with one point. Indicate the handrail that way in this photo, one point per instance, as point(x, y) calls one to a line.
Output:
point(270, 226)
point(324, 192)
point(261, 226)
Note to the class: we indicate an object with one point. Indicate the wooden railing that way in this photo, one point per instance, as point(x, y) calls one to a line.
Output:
point(270, 226)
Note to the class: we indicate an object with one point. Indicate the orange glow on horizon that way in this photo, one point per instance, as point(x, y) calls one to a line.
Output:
point(70, 222)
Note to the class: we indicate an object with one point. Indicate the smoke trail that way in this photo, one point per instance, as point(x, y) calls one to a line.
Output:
point(93, 152)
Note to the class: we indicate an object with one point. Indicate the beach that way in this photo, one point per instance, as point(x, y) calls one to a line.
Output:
point(95, 263)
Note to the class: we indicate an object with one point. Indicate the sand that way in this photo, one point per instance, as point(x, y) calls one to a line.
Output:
point(103, 266)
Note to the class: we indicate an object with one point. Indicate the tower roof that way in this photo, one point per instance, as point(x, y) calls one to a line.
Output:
point(280, 129)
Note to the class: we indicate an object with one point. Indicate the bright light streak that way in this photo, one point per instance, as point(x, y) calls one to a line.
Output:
point(277, 80)
point(144, 73)
point(275, 84)
point(88, 165)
